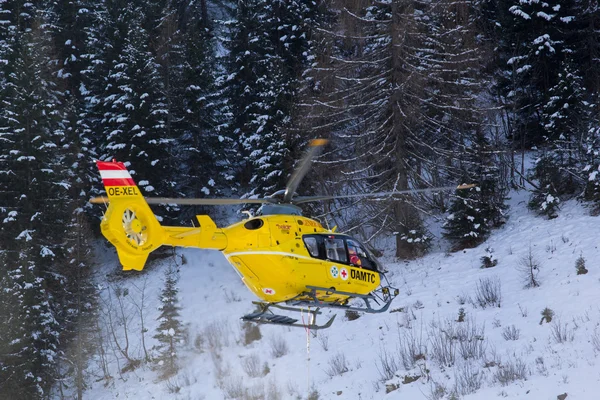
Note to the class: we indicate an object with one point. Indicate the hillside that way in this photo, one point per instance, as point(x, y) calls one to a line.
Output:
point(510, 353)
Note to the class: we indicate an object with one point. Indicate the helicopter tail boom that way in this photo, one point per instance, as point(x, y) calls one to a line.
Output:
point(130, 225)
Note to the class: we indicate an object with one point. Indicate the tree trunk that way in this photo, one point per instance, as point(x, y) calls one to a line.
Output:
point(405, 214)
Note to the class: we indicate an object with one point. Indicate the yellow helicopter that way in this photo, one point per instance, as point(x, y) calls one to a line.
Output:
point(288, 261)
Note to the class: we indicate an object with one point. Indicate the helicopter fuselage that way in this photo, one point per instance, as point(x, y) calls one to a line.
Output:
point(271, 256)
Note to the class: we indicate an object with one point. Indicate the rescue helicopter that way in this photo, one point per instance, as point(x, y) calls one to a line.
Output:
point(289, 261)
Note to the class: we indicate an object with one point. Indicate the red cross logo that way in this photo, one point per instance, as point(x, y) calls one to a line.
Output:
point(344, 274)
point(269, 291)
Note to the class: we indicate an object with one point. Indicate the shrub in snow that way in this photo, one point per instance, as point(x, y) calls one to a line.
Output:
point(461, 315)
point(561, 332)
point(386, 365)
point(252, 366)
point(489, 260)
point(580, 266)
point(529, 269)
point(323, 339)
point(488, 292)
point(511, 371)
point(352, 315)
point(547, 315)
point(595, 339)
point(251, 333)
point(412, 347)
point(511, 333)
point(199, 343)
point(337, 365)
point(279, 347)
point(467, 379)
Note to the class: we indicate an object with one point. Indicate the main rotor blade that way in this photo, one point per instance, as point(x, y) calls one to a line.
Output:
point(190, 202)
point(314, 149)
point(307, 199)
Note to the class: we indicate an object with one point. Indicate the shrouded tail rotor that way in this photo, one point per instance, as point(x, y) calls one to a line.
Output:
point(129, 223)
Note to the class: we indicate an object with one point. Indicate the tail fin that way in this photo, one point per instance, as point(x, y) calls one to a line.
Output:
point(129, 223)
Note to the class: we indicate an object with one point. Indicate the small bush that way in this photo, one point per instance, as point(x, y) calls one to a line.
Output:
point(511, 371)
point(511, 333)
point(251, 333)
point(337, 365)
point(547, 315)
point(352, 315)
point(323, 339)
point(279, 347)
point(461, 315)
point(529, 268)
point(595, 339)
point(313, 395)
point(199, 343)
point(252, 366)
point(437, 391)
point(387, 365)
point(488, 292)
point(561, 332)
point(580, 266)
point(467, 379)
point(489, 260)
point(217, 334)
point(411, 347)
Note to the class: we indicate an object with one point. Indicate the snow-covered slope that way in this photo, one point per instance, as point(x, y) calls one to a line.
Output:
point(349, 360)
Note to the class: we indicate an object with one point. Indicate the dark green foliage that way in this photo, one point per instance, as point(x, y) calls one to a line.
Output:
point(475, 211)
point(547, 315)
point(544, 198)
point(580, 266)
point(461, 315)
point(169, 331)
point(267, 48)
point(489, 260)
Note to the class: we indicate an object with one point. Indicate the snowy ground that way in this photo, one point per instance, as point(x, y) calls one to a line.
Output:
point(216, 363)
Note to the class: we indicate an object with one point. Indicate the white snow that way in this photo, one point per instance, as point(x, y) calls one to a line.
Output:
point(432, 290)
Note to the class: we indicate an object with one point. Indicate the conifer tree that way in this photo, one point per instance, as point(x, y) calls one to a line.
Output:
point(475, 211)
point(565, 121)
point(135, 110)
point(267, 52)
point(169, 331)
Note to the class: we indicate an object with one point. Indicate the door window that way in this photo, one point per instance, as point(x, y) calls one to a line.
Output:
point(335, 249)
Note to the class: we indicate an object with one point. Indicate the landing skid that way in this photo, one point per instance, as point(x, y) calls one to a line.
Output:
point(265, 316)
point(305, 301)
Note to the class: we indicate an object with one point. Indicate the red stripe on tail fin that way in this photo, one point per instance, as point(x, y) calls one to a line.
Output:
point(114, 174)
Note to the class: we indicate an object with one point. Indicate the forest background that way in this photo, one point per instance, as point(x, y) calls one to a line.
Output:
point(213, 98)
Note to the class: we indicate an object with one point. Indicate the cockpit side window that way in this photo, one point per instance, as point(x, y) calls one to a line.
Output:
point(335, 250)
point(312, 245)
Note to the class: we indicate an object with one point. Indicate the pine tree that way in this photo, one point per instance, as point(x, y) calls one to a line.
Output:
point(565, 119)
point(533, 47)
point(204, 146)
point(475, 211)
point(169, 331)
point(135, 110)
point(267, 52)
